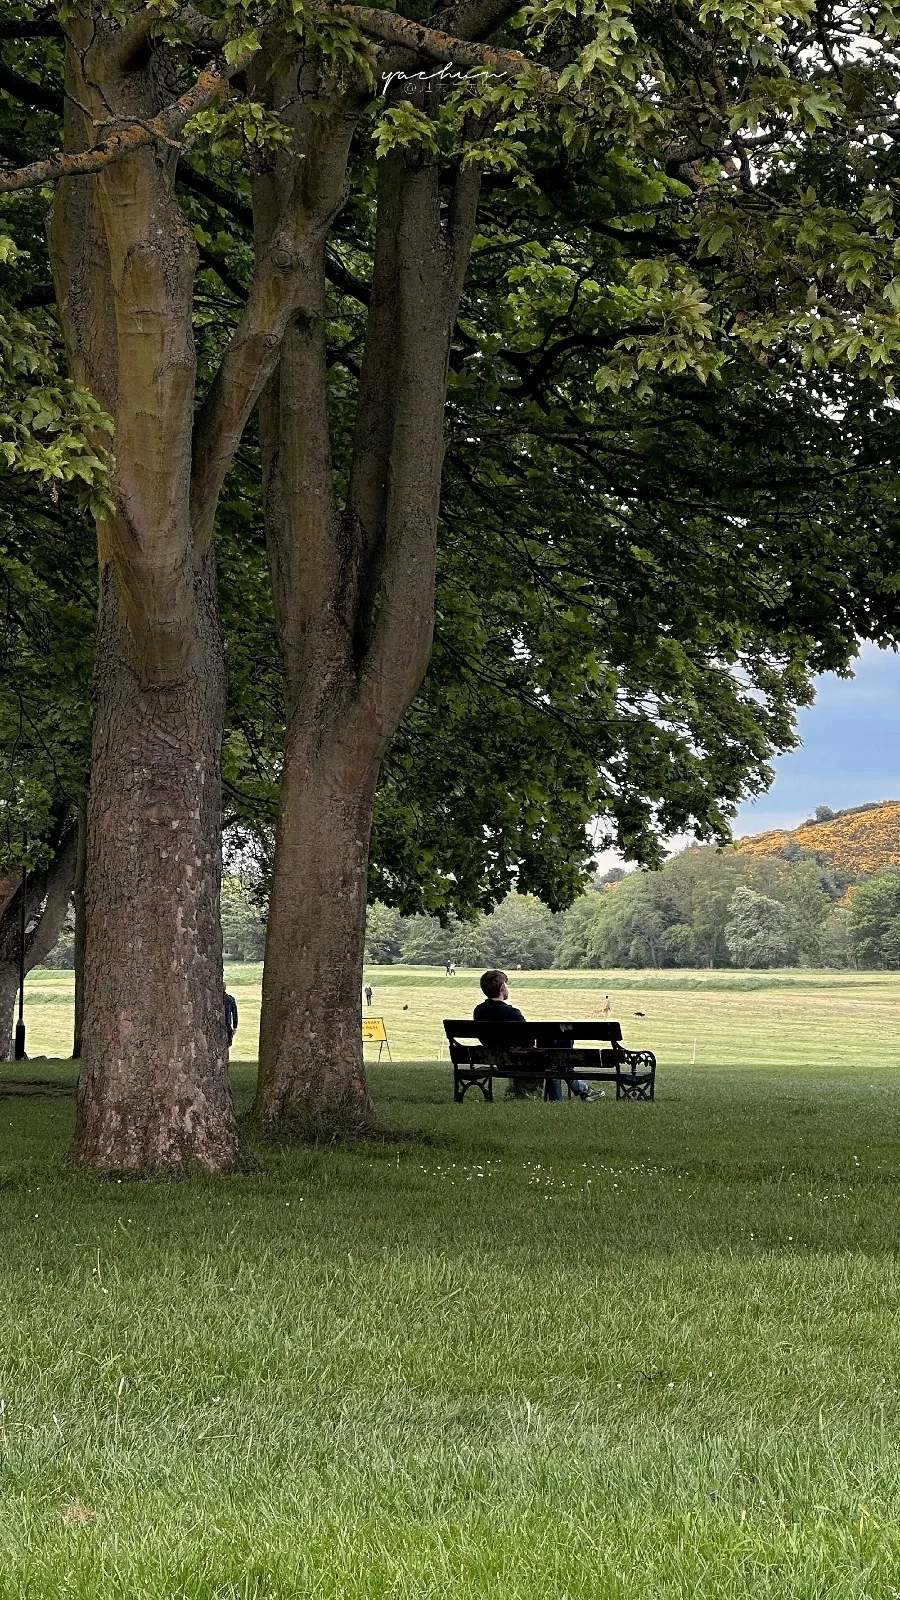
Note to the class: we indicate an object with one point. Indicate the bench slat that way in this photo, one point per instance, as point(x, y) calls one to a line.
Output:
point(544, 1033)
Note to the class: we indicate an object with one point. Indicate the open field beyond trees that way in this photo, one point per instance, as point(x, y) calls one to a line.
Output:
point(802, 1019)
point(624, 1351)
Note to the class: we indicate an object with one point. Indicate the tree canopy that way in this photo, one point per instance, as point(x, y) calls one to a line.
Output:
point(712, 908)
point(620, 281)
point(875, 921)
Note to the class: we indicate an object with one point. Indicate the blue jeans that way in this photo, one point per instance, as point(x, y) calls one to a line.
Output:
point(555, 1088)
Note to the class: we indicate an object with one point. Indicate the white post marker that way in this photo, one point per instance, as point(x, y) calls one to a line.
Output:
point(694, 1056)
point(375, 1032)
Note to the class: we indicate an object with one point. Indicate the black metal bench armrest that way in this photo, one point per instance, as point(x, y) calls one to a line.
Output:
point(637, 1060)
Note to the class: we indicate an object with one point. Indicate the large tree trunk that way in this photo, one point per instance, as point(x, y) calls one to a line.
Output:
point(354, 610)
point(154, 1090)
point(154, 1086)
point(311, 1069)
point(310, 1038)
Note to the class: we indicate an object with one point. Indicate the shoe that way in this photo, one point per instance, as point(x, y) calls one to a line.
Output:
point(594, 1094)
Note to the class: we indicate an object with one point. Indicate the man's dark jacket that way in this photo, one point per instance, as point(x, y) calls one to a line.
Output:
point(497, 1011)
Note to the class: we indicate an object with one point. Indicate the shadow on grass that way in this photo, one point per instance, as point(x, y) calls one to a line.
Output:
point(35, 1086)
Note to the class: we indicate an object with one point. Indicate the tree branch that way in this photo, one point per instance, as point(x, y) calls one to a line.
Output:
point(228, 201)
point(198, 30)
point(313, 194)
point(461, 227)
point(398, 443)
point(40, 96)
point(439, 46)
point(474, 19)
point(335, 271)
point(60, 882)
point(165, 128)
point(213, 262)
point(201, 28)
point(39, 28)
point(342, 278)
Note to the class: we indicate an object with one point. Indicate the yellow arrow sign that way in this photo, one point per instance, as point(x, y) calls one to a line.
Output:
point(374, 1031)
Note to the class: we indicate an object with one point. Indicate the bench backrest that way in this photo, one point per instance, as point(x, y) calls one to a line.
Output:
point(528, 1035)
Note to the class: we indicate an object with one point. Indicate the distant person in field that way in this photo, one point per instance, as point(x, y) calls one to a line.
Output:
point(368, 992)
point(495, 1007)
point(231, 1017)
point(607, 1008)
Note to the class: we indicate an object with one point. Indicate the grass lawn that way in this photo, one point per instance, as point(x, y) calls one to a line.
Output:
point(523, 1351)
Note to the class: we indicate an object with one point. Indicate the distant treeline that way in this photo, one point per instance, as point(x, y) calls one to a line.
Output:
point(705, 908)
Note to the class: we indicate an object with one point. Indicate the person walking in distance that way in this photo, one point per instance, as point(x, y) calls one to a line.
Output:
point(231, 1017)
point(368, 992)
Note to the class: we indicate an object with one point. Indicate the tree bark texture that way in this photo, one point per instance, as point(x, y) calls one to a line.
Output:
point(354, 590)
point(354, 608)
point(310, 1037)
point(154, 1083)
point(154, 1089)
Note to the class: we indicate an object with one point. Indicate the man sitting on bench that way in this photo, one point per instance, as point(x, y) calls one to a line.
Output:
point(496, 1008)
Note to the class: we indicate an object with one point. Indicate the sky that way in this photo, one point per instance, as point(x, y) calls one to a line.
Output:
point(850, 752)
point(849, 755)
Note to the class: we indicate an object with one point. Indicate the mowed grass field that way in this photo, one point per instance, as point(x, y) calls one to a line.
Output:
point(810, 1020)
point(625, 1351)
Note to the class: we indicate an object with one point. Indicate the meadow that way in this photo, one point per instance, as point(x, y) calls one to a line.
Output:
point(621, 1351)
point(791, 1017)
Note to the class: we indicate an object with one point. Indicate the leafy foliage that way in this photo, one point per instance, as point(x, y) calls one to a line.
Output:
point(695, 913)
point(243, 925)
point(47, 599)
point(672, 527)
point(759, 931)
point(875, 921)
point(521, 932)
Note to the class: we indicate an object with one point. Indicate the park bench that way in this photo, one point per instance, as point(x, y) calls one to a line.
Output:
point(534, 1051)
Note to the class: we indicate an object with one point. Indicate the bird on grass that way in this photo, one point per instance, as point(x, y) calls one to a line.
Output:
point(640, 1013)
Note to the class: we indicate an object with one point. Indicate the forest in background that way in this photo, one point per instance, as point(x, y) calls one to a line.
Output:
point(704, 908)
point(826, 894)
point(771, 900)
